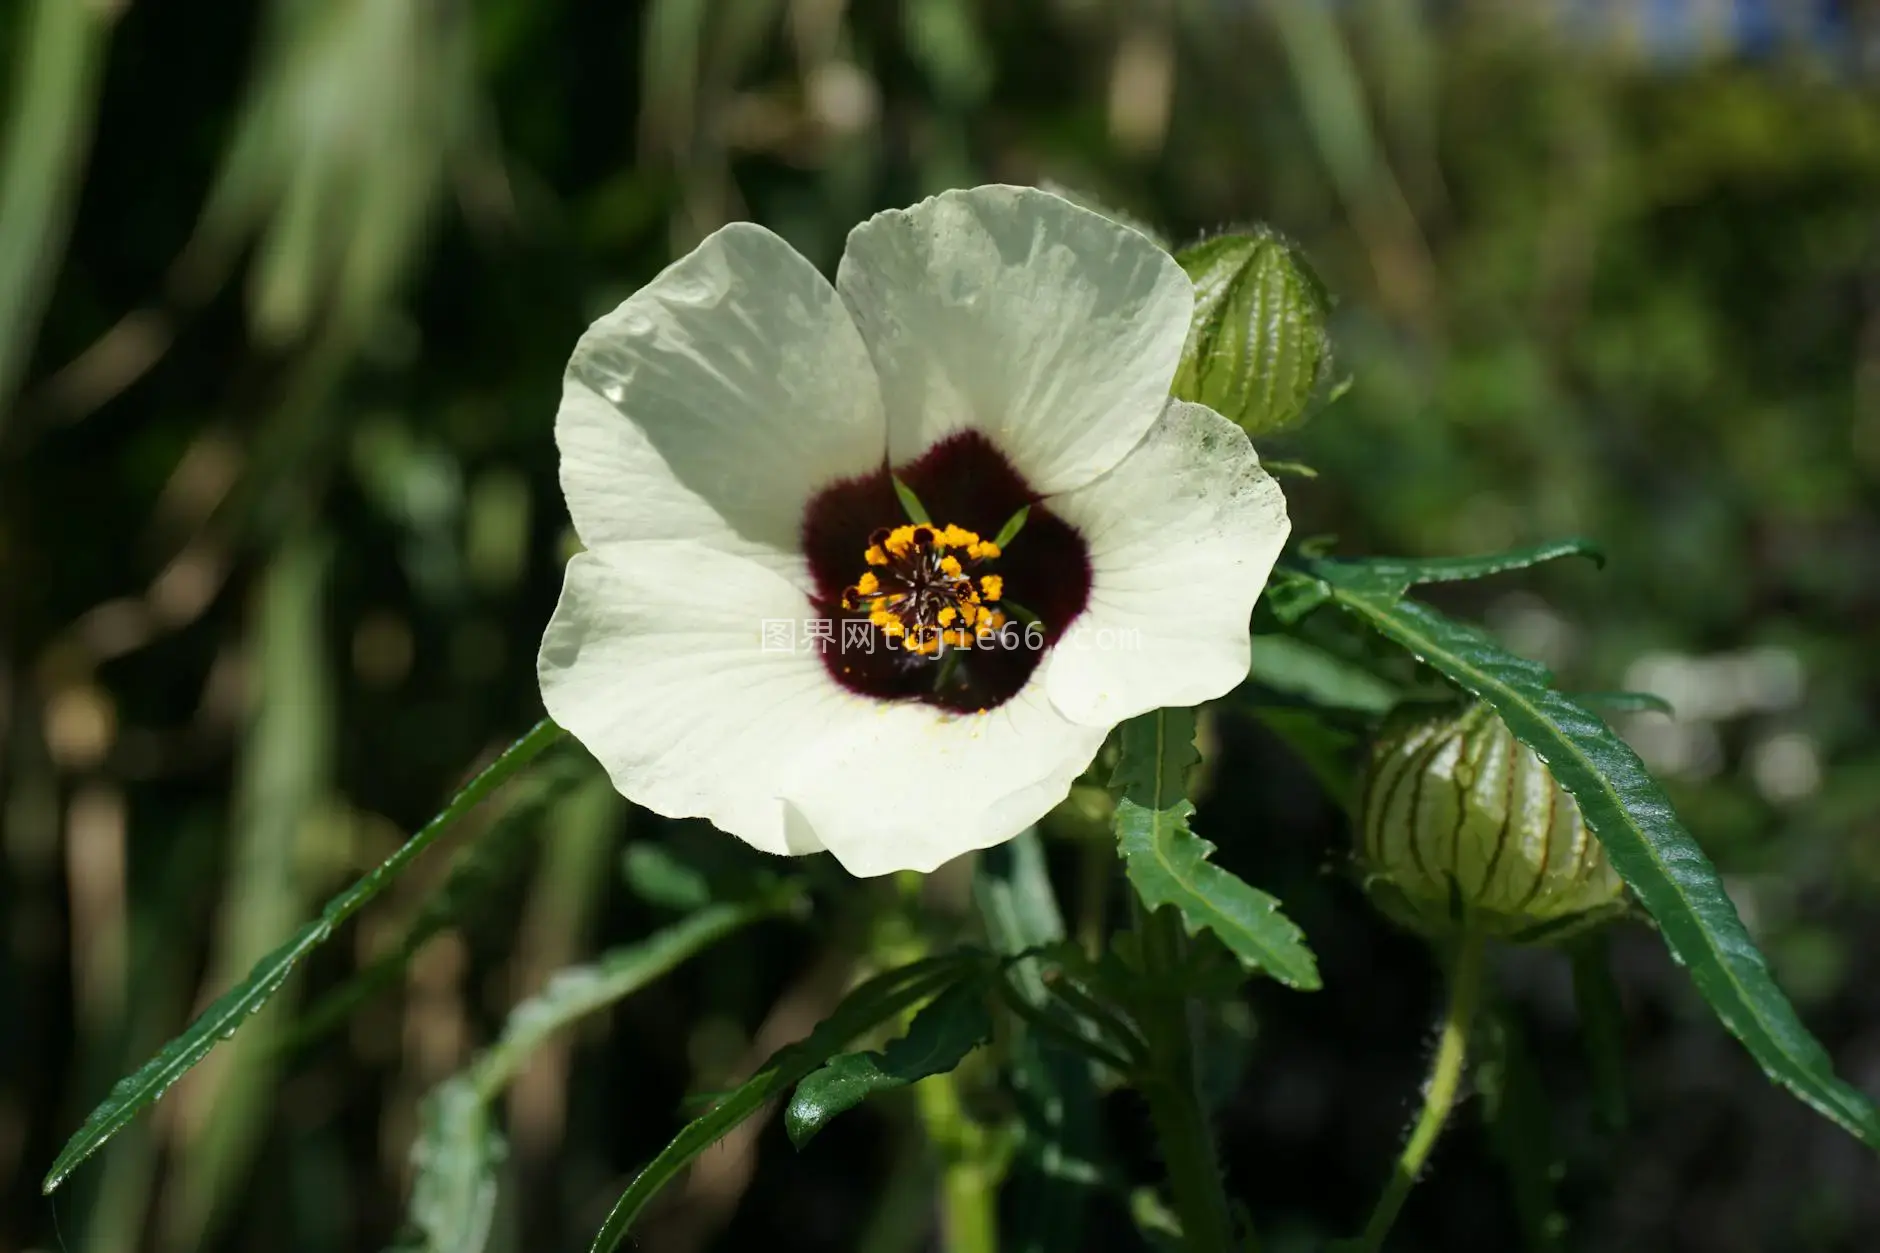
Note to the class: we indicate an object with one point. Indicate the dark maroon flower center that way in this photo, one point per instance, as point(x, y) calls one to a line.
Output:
point(935, 618)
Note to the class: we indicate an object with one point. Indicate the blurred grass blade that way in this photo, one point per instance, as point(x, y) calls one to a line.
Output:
point(951, 1025)
point(284, 773)
point(877, 1001)
point(578, 991)
point(453, 1188)
point(493, 859)
point(48, 135)
point(234, 1007)
point(1630, 814)
point(1168, 863)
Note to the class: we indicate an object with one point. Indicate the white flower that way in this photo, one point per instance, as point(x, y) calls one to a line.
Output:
point(726, 441)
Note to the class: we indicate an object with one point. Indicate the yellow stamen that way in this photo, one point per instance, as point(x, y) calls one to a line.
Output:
point(868, 584)
point(992, 585)
point(875, 557)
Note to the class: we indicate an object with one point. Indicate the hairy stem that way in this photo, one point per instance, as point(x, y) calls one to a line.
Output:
point(1168, 1084)
point(1439, 1095)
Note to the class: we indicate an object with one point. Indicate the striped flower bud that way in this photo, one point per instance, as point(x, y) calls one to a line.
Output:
point(1458, 818)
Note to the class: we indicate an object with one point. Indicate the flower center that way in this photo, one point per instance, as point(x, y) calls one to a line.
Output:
point(967, 483)
point(922, 589)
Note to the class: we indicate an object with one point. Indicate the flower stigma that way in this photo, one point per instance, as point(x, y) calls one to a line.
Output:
point(922, 590)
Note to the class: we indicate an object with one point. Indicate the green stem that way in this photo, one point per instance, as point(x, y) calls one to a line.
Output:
point(1439, 1095)
point(1169, 1086)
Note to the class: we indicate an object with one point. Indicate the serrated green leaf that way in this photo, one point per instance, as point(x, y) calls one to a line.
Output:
point(951, 1025)
point(877, 1001)
point(233, 1008)
point(1168, 863)
point(1632, 818)
point(1257, 345)
point(1393, 576)
point(453, 1188)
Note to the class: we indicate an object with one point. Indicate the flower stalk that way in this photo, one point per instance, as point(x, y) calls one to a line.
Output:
point(1439, 1094)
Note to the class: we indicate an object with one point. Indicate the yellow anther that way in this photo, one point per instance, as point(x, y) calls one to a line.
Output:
point(992, 585)
point(868, 584)
point(985, 550)
point(951, 565)
point(955, 536)
point(874, 556)
point(945, 616)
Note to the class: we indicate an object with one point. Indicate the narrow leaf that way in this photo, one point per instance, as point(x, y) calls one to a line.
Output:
point(952, 1025)
point(1168, 863)
point(233, 1008)
point(1631, 816)
point(1394, 575)
point(1627, 702)
point(877, 1001)
point(1295, 667)
point(1056, 1167)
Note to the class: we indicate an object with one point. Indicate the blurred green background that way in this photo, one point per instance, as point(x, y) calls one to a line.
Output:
point(285, 294)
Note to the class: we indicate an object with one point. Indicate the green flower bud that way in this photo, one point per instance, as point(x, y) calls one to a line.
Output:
point(1257, 348)
point(1459, 819)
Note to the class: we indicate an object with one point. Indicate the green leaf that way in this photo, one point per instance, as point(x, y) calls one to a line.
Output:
point(1169, 864)
point(453, 1188)
point(1056, 1164)
point(1323, 748)
point(1631, 816)
point(879, 1000)
point(952, 1025)
point(578, 991)
point(1627, 702)
point(1395, 575)
point(660, 877)
point(1290, 665)
point(1257, 346)
point(476, 872)
point(233, 1008)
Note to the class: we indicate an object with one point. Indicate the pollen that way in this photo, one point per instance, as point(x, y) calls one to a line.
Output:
point(924, 589)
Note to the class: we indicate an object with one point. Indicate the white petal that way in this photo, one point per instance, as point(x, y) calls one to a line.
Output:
point(1052, 329)
point(716, 401)
point(909, 787)
point(1182, 537)
point(656, 661)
